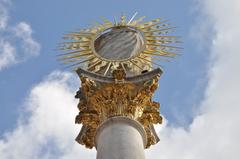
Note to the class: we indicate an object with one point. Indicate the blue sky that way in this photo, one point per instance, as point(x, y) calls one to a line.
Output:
point(31, 30)
point(49, 22)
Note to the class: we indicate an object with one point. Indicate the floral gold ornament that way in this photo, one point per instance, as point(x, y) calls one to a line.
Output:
point(133, 99)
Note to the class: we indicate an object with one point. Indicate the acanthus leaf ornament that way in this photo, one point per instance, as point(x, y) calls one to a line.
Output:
point(101, 100)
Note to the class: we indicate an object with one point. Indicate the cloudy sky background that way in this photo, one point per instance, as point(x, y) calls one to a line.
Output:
point(199, 91)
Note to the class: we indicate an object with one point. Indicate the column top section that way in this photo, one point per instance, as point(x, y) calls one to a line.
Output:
point(122, 120)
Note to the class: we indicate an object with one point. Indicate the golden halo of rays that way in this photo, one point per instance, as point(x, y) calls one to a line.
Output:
point(159, 45)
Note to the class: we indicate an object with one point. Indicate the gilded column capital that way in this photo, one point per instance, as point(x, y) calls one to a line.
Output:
point(132, 99)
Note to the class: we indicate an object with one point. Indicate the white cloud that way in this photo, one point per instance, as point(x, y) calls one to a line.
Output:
point(16, 42)
point(3, 13)
point(23, 31)
point(215, 133)
point(49, 132)
point(7, 53)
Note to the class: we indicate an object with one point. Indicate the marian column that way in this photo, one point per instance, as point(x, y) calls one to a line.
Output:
point(115, 63)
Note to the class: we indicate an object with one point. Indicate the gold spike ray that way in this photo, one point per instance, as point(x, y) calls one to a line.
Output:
point(156, 54)
point(123, 20)
point(75, 52)
point(81, 45)
point(163, 46)
point(133, 62)
point(107, 69)
point(160, 30)
point(149, 61)
point(75, 56)
point(154, 24)
point(137, 21)
point(81, 62)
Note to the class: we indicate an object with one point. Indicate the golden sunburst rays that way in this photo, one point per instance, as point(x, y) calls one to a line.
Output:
point(158, 45)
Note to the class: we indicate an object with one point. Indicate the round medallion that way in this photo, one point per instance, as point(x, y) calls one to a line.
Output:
point(119, 44)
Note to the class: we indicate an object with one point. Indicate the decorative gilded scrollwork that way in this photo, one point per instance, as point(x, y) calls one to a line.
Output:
point(100, 101)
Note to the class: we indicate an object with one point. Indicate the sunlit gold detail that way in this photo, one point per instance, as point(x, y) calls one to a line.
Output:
point(109, 64)
point(99, 101)
point(81, 62)
point(136, 64)
point(94, 64)
point(75, 56)
point(149, 61)
point(153, 32)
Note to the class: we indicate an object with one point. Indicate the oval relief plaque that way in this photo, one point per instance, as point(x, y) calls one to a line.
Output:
point(119, 44)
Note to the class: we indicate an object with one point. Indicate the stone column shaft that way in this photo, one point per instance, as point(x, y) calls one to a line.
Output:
point(120, 138)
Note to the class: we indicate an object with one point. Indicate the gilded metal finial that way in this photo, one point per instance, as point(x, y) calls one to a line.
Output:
point(127, 44)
